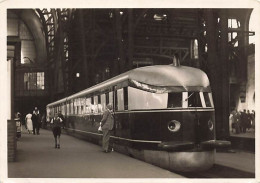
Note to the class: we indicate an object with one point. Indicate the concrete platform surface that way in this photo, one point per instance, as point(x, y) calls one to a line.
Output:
point(37, 158)
point(240, 160)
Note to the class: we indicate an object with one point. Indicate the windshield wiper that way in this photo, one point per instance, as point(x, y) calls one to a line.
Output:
point(189, 96)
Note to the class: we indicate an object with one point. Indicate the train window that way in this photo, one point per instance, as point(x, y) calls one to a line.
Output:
point(140, 99)
point(99, 106)
point(202, 99)
point(174, 100)
point(116, 101)
point(75, 106)
point(81, 108)
point(107, 98)
point(99, 99)
point(207, 99)
point(63, 109)
point(71, 107)
point(78, 106)
point(95, 106)
point(103, 101)
point(126, 98)
point(84, 105)
point(88, 105)
point(111, 98)
point(194, 99)
point(67, 108)
point(120, 99)
point(92, 100)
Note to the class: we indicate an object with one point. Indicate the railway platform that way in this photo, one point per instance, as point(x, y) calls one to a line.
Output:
point(37, 158)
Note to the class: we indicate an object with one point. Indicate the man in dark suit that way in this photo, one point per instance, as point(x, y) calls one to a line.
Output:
point(36, 121)
point(107, 124)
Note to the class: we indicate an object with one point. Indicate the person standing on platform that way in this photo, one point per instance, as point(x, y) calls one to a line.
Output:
point(237, 122)
point(29, 123)
point(231, 121)
point(36, 121)
point(243, 121)
point(56, 129)
point(253, 119)
point(249, 120)
point(107, 124)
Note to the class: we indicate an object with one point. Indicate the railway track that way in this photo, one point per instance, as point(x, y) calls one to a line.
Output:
point(219, 171)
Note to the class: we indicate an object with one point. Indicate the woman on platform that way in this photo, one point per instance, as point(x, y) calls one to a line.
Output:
point(28, 121)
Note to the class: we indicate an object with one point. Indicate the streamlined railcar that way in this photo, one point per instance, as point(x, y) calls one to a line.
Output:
point(164, 115)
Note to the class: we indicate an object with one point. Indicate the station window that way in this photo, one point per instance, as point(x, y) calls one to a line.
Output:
point(194, 49)
point(34, 81)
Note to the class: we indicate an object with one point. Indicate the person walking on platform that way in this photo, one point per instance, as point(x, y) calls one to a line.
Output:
point(28, 122)
point(107, 124)
point(56, 129)
point(36, 121)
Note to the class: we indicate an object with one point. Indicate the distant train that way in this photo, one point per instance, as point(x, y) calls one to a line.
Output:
point(164, 115)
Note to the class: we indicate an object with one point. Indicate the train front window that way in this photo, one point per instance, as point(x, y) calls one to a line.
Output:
point(174, 100)
point(194, 99)
point(207, 99)
point(144, 100)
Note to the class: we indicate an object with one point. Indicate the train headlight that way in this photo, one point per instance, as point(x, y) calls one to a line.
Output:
point(174, 126)
point(210, 125)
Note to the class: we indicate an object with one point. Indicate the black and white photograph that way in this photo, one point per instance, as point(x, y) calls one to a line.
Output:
point(129, 91)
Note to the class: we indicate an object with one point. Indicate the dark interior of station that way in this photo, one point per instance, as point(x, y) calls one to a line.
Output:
point(58, 52)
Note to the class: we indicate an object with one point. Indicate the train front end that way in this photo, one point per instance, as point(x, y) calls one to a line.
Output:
point(181, 117)
point(188, 132)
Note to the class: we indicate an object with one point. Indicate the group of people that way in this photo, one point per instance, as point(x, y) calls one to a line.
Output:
point(33, 122)
point(241, 122)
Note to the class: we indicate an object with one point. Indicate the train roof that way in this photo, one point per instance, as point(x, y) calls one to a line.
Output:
point(157, 75)
point(168, 75)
